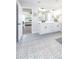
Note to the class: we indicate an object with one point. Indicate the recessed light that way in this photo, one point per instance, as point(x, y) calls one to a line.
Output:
point(56, 0)
point(39, 1)
point(42, 8)
point(53, 9)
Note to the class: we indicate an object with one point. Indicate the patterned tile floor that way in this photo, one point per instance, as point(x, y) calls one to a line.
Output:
point(35, 46)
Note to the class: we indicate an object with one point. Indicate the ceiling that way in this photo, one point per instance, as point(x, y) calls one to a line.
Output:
point(41, 3)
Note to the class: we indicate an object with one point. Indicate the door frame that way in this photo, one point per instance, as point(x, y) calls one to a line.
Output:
point(16, 22)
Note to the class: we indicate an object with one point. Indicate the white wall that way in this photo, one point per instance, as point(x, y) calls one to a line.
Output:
point(34, 20)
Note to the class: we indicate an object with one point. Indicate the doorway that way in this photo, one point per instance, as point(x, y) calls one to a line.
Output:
point(27, 23)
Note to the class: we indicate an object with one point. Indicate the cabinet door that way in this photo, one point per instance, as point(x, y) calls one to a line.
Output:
point(43, 28)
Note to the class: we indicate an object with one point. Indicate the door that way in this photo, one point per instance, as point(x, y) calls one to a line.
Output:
point(19, 30)
point(19, 23)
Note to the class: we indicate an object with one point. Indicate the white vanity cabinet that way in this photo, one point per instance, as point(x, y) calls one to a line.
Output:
point(44, 28)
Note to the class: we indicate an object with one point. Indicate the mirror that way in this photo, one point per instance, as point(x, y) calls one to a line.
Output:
point(42, 15)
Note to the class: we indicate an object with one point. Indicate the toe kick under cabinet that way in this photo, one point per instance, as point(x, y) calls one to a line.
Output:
point(44, 28)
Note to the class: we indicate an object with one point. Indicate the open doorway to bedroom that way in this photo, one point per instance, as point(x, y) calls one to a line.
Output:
point(27, 23)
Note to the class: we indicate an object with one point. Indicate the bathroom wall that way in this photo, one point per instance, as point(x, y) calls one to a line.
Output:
point(34, 20)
